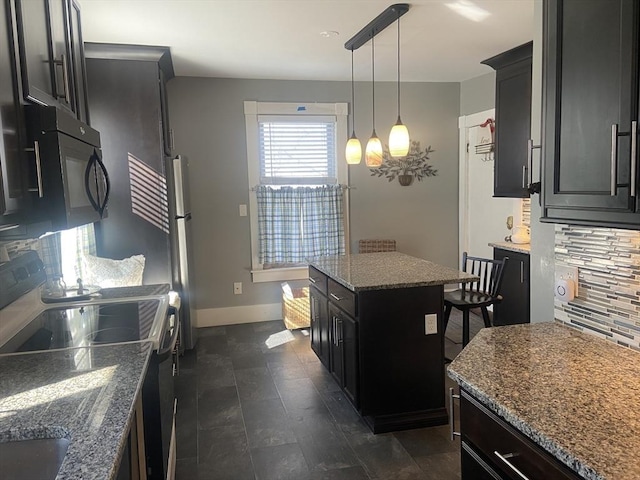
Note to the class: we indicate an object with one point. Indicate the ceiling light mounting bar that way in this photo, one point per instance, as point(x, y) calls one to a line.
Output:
point(378, 24)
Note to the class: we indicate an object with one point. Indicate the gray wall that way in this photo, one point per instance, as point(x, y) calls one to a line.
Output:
point(542, 234)
point(208, 122)
point(478, 94)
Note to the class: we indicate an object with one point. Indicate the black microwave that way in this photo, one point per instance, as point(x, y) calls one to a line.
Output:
point(67, 173)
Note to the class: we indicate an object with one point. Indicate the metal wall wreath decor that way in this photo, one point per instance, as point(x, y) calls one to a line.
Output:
point(414, 165)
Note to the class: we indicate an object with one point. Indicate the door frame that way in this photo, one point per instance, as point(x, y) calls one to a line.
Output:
point(464, 124)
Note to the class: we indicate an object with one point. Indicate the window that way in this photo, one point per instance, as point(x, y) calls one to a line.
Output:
point(297, 178)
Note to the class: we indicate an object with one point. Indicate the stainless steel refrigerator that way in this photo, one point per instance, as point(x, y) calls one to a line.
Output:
point(182, 249)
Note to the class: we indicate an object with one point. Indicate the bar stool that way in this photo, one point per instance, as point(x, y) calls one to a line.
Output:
point(480, 294)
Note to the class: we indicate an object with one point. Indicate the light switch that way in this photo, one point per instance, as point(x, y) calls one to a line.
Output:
point(243, 210)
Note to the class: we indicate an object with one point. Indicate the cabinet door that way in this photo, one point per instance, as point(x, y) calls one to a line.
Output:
point(15, 197)
point(349, 340)
point(513, 120)
point(591, 84)
point(513, 126)
point(79, 71)
point(515, 304)
point(319, 325)
point(61, 53)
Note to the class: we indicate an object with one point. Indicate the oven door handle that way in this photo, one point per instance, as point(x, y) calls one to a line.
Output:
point(163, 353)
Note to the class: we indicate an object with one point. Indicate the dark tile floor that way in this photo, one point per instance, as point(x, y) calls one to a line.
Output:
point(254, 402)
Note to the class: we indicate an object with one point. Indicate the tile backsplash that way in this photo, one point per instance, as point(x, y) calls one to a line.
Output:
point(608, 301)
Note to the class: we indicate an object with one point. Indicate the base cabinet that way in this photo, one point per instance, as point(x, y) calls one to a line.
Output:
point(493, 449)
point(515, 305)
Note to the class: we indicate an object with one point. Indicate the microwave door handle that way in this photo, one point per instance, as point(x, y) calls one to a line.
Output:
point(107, 181)
point(87, 179)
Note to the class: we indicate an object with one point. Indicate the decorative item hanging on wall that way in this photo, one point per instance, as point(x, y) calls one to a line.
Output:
point(405, 169)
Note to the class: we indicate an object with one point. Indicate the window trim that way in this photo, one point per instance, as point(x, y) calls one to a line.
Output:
point(254, 109)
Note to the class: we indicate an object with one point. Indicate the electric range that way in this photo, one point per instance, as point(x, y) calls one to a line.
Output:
point(114, 316)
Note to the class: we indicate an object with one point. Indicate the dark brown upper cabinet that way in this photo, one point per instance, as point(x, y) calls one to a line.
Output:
point(50, 47)
point(590, 89)
point(513, 121)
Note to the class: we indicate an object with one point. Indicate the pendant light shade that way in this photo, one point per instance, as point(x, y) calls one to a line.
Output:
point(373, 152)
point(399, 140)
point(399, 136)
point(353, 151)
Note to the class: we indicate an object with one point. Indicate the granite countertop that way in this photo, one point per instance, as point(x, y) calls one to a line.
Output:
point(575, 395)
point(87, 395)
point(376, 271)
point(514, 247)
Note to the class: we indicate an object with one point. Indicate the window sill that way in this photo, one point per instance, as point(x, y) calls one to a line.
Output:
point(280, 274)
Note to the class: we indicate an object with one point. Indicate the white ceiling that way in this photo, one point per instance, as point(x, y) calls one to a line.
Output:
point(281, 39)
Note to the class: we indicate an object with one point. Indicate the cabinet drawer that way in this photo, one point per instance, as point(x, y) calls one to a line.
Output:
point(318, 279)
point(492, 436)
point(342, 297)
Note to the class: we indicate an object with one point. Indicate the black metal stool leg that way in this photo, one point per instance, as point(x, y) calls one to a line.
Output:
point(447, 313)
point(465, 327)
point(485, 316)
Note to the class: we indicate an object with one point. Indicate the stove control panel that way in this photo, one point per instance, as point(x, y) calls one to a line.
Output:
point(19, 276)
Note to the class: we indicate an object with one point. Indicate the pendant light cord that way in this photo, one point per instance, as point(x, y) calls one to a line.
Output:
point(373, 82)
point(353, 99)
point(398, 65)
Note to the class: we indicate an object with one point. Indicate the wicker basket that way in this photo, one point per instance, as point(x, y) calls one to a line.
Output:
point(374, 246)
point(295, 307)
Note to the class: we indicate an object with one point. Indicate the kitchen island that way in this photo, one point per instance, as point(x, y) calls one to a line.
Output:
point(376, 324)
point(568, 400)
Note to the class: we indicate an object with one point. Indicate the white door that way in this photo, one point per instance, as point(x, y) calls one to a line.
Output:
point(483, 218)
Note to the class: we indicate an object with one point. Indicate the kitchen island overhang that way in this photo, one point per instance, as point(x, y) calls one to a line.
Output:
point(369, 316)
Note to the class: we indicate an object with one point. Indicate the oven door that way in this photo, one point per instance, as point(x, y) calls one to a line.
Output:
point(158, 399)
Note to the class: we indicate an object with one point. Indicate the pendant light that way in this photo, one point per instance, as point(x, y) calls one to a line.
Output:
point(373, 152)
point(399, 135)
point(353, 152)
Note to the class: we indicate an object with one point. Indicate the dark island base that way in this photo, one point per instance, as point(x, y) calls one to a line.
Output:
point(407, 421)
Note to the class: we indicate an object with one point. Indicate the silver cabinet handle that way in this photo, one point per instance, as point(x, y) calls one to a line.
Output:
point(65, 78)
point(312, 280)
point(505, 458)
point(521, 272)
point(530, 148)
point(524, 176)
point(11, 226)
point(36, 149)
point(339, 330)
point(451, 415)
point(335, 297)
point(614, 160)
point(634, 160)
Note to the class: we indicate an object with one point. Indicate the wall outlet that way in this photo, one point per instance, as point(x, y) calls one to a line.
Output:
point(243, 210)
point(237, 288)
point(431, 324)
point(567, 273)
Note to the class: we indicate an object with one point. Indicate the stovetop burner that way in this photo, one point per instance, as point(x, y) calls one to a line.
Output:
point(87, 325)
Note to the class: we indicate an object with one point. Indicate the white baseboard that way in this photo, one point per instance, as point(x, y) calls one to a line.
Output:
point(214, 317)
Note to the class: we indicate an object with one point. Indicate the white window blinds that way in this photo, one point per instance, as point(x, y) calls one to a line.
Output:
point(297, 151)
